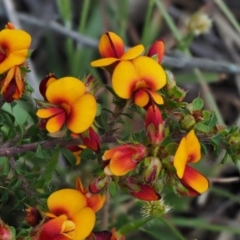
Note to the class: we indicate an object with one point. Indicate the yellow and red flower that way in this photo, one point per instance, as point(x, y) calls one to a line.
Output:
point(70, 105)
point(139, 79)
point(14, 45)
point(70, 218)
point(12, 84)
point(154, 125)
point(189, 151)
point(111, 48)
point(123, 159)
point(157, 50)
point(94, 201)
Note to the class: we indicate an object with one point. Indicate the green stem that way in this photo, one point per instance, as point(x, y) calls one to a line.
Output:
point(123, 15)
point(169, 20)
point(132, 226)
point(84, 14)
point(223, 193)
point(145, 34)
point(173, 229)
point(228, 14)
point(81, 29)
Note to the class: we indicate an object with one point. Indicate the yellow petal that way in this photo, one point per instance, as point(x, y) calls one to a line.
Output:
point(82, 113)
point(150, 71)
point(14, 40)
point(15, 58)
point(103, 62)
point(141, 98)
point(133, 52)
point(156, 97)
point(48, 112)
point(124, 79)
point(15, 44)
point(66, 201)
point(193, 147)
point(84, 221)
point(111, 45)
point(54, 124)
point(65, 90)
point(195, 180)
point(180, 158)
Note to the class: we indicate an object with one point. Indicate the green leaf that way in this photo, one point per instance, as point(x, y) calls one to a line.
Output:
point(197, 104)
point(171, 148)
point(69, 156)
point(204, 149)
point(4, 166)
point(166, 141)
point(51, 165)
point(99, 109)
point(206, 114)
point(225, 158)
point(12, 133)
point(113, 189)
point(212, 121)
point(134, 225)
point(217, 139)
point(202, 127)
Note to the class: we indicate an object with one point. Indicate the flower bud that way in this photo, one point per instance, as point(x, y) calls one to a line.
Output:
point(170, 81)
point(98, 184)
point(199, 23)
point(9, 25)
point(33, 216)
point(234, 140)
point(157, 50)
point(46, 81)
point(141, 191)
point(153, 166)
point(154, 125)
point(91, 139)
point(187, 122)
point(155, 209)
point(5, 232)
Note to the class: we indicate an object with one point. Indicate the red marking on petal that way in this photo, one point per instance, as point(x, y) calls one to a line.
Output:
point(146, 193)
point(111, 45)
point(2, 56)
point(194, 181)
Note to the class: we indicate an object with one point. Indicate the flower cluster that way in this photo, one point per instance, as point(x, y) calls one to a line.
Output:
point(139, 79)
point(141, 164)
